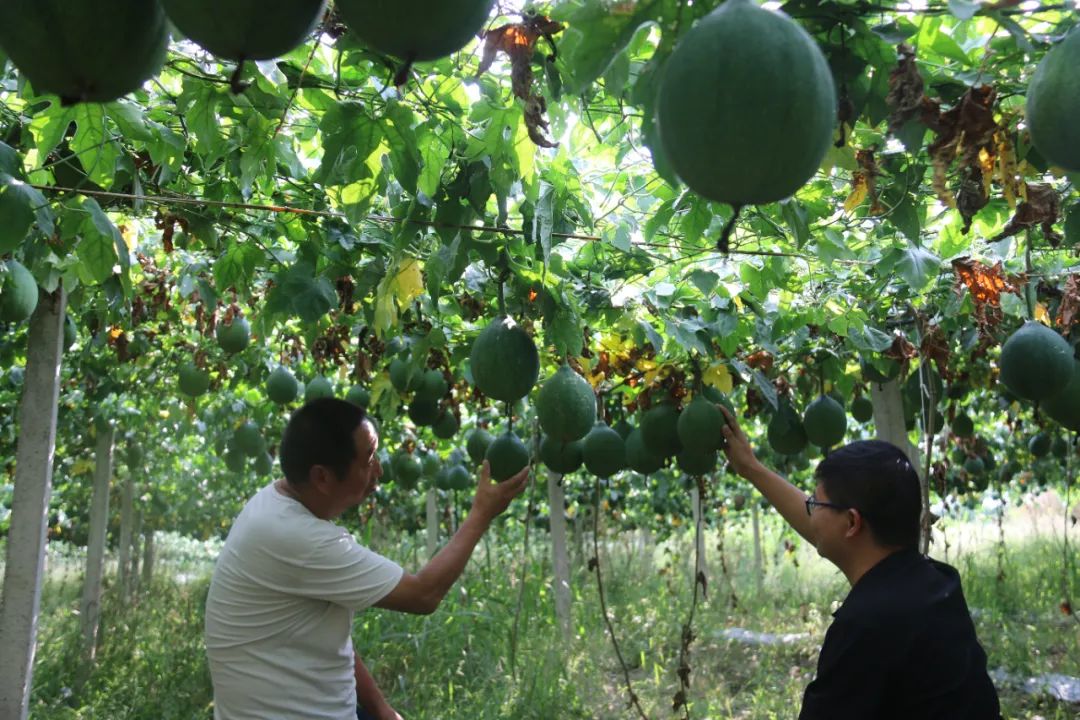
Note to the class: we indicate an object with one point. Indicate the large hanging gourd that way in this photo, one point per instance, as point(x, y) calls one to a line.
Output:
point(242, 30)
point(415, 30)
point(86, 51)
point(1053, 104)
point(746, 107)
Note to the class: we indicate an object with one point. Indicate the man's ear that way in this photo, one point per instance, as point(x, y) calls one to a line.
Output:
point(855, 523)
point(319, 478)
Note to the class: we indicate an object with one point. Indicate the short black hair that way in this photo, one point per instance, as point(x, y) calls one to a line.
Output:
point(877, 479)
point(320, 433)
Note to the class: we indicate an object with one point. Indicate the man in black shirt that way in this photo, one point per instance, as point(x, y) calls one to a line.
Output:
point(902, 646)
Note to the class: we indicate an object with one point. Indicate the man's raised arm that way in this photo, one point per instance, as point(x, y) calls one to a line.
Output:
point(421, 593)
point(785, 497)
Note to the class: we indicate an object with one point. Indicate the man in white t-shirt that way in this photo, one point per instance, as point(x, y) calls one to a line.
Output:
point(288, 581)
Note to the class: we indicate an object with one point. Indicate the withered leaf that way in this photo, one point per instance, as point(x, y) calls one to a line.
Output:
point(901, 349)
point(1042, 207)
point(905, 90)
point(518, 41)
point(967, 131)
point(1069, 311)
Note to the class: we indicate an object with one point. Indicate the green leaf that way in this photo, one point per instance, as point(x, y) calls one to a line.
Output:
point(565, 332)
point(99, 248)
point(905, 218)
point(349, 137)
point(685, 333)
point(869, 339)
point(17, 205)
point(963, 9)
point(1072, 224)
point(1013, 305)
point(659, 219)
point(764, 386)
point(439, 267)
point(651, 336)
point(911, 135)
point(49, 127)
point(10, 162)
point(696, 220)
point(595, 35)
point(796, 218)
point(704, 280)
point(918, 267)
point(896, 31)
point(434, 153)
point(255, 161)
point(93, 144)
point(130, 120)
point(941, 42)
point(402, 140)
point(543, 220)
point(830, 247)
point(237, 267)
point(198, 104)
point(1019, 35)
point(299, 292)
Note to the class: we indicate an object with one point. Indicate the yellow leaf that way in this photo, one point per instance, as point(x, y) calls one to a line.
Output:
point(81, 466)
point(385, 310)
point(645, 365)
point(859, 191)
point(719, 377)
point(1042, 315)
point(409, 283)
point(131, 238)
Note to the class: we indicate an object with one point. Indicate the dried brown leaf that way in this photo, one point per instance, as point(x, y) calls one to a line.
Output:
point(905, 90)
point(1069, 310)
point(1042, 207)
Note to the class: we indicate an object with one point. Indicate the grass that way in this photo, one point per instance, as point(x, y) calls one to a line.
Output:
point(457, 663)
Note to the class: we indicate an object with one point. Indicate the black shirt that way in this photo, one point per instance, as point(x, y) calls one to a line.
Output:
point(902, 646)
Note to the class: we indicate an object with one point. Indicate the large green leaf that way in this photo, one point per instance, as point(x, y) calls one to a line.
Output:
point(349, 136)
point(237, 267)
point(94, 145)
point(299, 292)
point(595, 35)
point(918, 267)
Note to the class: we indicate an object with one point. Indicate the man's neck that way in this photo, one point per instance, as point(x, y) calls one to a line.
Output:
point(305, 499)
point(861, 563)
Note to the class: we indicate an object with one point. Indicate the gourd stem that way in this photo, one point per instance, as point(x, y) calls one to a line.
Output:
point(723, 244)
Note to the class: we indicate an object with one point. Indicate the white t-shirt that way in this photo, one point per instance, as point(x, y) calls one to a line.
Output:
point(280, 609)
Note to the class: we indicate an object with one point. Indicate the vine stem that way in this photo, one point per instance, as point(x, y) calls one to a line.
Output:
point(1029, 296)
point(595, 565)
point(688, 626)
point(174, 200)
point(296, 90)
point(1001, 534)
point(524, 561)
point(1066, 558)
point(929, 406)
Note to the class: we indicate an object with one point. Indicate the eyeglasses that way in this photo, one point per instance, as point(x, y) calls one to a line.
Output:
point(811, 503)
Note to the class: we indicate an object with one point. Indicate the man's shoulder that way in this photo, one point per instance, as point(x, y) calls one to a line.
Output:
point(911, 587)
point(275, 522)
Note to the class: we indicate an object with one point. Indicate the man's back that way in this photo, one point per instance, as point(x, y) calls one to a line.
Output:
point(279, 612)
point(902, 646)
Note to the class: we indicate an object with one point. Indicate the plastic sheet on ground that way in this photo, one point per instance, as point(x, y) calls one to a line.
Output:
point(1060, 687)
